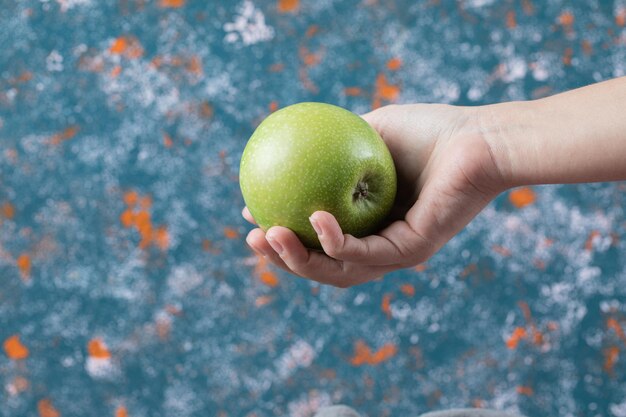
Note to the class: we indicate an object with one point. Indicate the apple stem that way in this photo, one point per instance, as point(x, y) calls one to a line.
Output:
point(360, 191)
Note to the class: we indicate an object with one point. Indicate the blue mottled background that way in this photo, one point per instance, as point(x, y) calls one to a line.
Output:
point(126, 288)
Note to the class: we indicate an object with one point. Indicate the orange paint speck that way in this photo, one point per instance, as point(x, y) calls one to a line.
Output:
point(421, 267)
point(523, 305)
point(352, 91)
point(611, 355)
point(24, 77)
point(408, 290)
point(518, 334)
point(286, 6)
point(195, 65)
point(127, 46)
point(478, 403)
point(230, 233)
point(469, 269)
point(119, 46)
point(522, 197)
point(142, 222)
point(587, 47)
point(303, 76)
point(14, 348)
point(46, 409)
point(614, 325)
point(208, 246)
point(394, 64)
point(567, 56)
point(620, 18)
point(167, 140)
point(18, 385)
point(273, 106)
point(278, 67)
point(121, 411)
point(156, 62)
point(501, 250)
point(145, 202)
point(171, 4)
point(117, 70)
point(97, 349)
point(162, 238)
point(127, 218)
point(524, 390)
point(131, 198)
point(269, 278)
point(537, 336)
point(7, 210)
point(263, 300)
point(528, 7)
point(261, 265)
point(176, 61)
point(363, 355)
point(384, 91)
point(385, 305)
point(593, 236)
point(265, 275)
point(24, 264)
point(311, 31)
point(67, 134)
point(566, 19)
point(206, 110)
point(310, 59)
point(173, 310)
point(511, 22)
point(163, 327)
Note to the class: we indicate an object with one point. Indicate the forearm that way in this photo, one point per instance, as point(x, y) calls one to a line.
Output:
point(577, 136)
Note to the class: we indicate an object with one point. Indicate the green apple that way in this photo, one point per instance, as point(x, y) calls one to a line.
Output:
point(316, 156)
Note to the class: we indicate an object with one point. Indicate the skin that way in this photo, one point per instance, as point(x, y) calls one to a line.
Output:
point(458, 159)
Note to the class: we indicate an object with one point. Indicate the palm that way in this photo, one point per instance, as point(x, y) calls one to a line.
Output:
point(445, 177)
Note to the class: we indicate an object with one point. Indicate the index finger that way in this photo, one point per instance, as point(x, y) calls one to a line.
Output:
point(397, 244)
point(247, 215)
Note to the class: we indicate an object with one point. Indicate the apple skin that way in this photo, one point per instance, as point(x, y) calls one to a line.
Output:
point(315, 156)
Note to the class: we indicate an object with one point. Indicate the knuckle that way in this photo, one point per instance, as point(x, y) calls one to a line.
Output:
point(332, 247)
point(331, 250)
point(342, 284)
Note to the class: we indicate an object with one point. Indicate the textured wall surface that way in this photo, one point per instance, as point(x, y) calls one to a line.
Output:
point(126, 287)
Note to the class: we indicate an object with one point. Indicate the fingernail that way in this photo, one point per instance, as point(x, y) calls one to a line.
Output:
point(275, 245)
point(316, 226)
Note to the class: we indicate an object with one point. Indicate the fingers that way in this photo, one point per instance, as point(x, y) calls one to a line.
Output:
point(354, 261)
point(397, 244)
point(256, 240)
point(378, 119)
point(317, 266)
point(247, 215)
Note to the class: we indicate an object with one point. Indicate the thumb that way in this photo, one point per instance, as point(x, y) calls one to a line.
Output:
point(378, 118)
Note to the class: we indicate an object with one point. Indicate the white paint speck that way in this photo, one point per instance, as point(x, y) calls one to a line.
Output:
point(54, 61)
point(299, 355)
point(183, 279)
point(249, 26)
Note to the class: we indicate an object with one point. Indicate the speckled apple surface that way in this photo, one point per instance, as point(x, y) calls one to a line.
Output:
point(316, 156)
point(126, 288)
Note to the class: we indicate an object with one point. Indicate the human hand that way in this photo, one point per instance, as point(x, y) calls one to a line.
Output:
point(447, 174)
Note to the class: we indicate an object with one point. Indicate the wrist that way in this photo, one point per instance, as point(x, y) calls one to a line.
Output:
point(505, 127)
